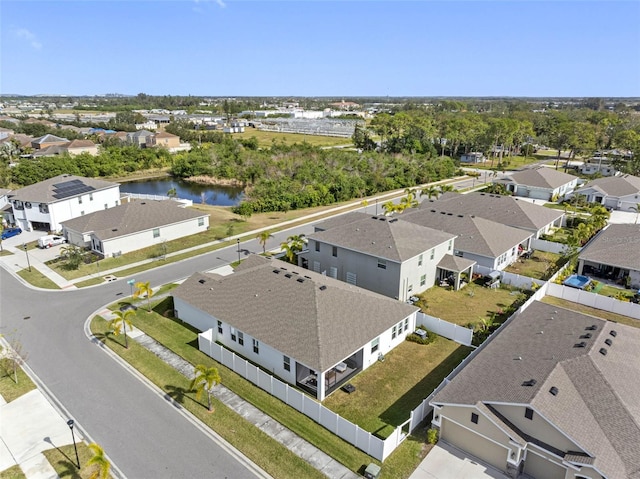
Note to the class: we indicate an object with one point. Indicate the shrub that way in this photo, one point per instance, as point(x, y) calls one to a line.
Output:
point(432, 436)
point(430, 338)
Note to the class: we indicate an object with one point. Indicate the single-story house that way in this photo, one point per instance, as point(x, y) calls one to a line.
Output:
point(614, 253)
point(473, 157)
point(540, 183)
point(310, 330)
point(554, 395)
point(615, 192)
point(387, 255)
point(507, 210)
point(44, 205)
point(483, 241)
point(134, 225)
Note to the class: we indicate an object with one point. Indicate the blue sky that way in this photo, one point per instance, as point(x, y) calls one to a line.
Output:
point(321, 48)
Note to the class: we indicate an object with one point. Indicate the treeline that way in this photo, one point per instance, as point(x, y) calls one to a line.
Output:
point(286, 177)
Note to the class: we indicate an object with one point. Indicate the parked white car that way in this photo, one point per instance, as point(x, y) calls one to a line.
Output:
point(50, 240)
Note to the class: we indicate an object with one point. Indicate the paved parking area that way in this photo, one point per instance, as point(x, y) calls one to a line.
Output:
point(27, 237)
point(447, 462)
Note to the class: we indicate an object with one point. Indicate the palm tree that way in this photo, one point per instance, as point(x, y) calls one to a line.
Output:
point(99, 460)
point(120, 322)
point(262, 239)
point(430, 192)
point(407, 202)
point(143, 289)
point(389, 207)
point(172, 193)
point(293, 246)
point(204, 380)
point(445, 188)
point(636, 208)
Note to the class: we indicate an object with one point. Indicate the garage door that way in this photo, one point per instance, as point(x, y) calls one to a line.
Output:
point(539, 468)
point(477, 446)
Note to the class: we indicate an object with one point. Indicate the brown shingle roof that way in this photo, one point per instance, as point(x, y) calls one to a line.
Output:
point(596, 404)
point(389, 238)
point(616, 245)
point(80, 144)
point(131, 217)
point(319, 321)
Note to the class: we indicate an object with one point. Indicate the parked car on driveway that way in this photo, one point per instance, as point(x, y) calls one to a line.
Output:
point(9, 232)
point(50, 240)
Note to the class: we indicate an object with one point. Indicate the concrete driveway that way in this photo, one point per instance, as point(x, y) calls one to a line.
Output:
point(447, 462)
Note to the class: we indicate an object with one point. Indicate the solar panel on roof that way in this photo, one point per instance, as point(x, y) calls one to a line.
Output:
point(65, 184)
point(72, 191)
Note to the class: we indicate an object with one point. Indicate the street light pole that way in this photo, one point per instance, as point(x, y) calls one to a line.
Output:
point(131, 282)
point(27, 253)
point(238, 243)
point(70, 423)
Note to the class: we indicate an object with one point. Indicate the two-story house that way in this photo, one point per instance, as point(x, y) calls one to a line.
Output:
point(44, 205)
point(390, 256)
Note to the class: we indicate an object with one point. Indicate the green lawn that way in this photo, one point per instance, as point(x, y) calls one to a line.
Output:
point(9, 390)
point(612, 291)
point(618, 318)
point(509, 163)
point(541, 265)
point(14, 472)
point(5, 252)
point(89, 282)
point(36, 278)
point(63, 460)
point(387, 391)
point(467, 306)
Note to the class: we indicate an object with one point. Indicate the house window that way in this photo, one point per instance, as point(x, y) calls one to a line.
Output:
point(82, 213)
point(406, 323)
point(106, 206)
point(433, 253)
point(420, 260)
point(423, 280)
point(43, 208)
point(334, 251)
point(474, 418)
point(240, 338)
point(27, 205)
point(200, 221)
point(233, 334)
point(79, 200)
point(528, 413)
point(219, 327)
point(156, 232)
point(90, 196)
point(317, 246)
point(382, 264)
point(450, 244)
point(394, 332)
point(256, 346)
point(375, 344)
point(410, 288)
point(286, 363)
point(18, 205)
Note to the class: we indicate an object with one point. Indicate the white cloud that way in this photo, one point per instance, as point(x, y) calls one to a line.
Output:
point(197, 8)
point(31, 38)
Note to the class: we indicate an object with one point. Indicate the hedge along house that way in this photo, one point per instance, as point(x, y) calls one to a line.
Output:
point(386, 255)
point(133, 226)
point(45, 205)
point(553, 395)
point(309, 330)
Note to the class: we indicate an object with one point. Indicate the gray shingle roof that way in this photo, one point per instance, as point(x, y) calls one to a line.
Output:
point(390, 238)
point(506, 210)
point(455, 263)
point(48, 138)
point(43, 192)
point(319, 322)
point(616, 245)
point(542, 177)
point(132, 217)
point(597, 400)
point(473, 234)
point(615, 185)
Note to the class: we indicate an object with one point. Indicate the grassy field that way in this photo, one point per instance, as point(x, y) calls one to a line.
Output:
point(509, 163)
point(266, 138)
point(9, 390)
point(541, 265)
point(469, 305)
point(36, 278)
point(387, 391)
point(599, 313)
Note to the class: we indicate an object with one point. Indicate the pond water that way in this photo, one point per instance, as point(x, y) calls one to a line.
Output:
point(211, 194)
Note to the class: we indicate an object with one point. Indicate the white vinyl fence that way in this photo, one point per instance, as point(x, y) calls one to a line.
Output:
point(511, 279)
point(459, 334)
point(549, 246)
point(594, 300)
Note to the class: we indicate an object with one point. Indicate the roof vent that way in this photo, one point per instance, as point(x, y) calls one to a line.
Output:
point(393, 220)
point(460, 216)
point(308, 277)
point(443, 212)
point(603, 351)
point(382, 219)
point(300, 280)
point(323, 287)
point(288, 275)
point(143, 203)
point(518, 358)
point(608, 342)
point(553, 391)
point(613, 333)
point(449, 214)
point(586, 336)
point(530, 382)
point(433, 211)
point(581, 344)
point(283, 269)
point(593, 327)
point(276, 271)
point(295, 272)
point(202, 281)
point(114, 229)
point(374, 217)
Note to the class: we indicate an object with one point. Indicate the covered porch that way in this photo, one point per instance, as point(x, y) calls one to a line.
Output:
point(455, 271)
point(308, 380)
